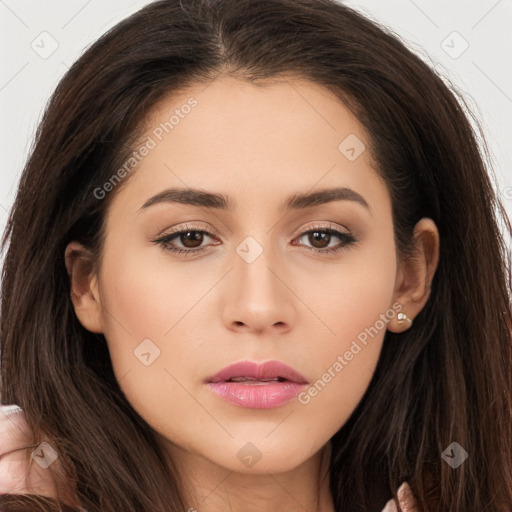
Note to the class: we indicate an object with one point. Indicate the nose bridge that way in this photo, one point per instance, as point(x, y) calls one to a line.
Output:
point(258, 297)
point(256, 258)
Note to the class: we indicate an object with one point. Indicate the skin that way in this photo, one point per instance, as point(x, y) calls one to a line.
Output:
point(14, 436)
point(19, 472)
point(257, 145)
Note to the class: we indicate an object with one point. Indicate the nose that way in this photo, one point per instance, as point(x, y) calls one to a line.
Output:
point(258, 297)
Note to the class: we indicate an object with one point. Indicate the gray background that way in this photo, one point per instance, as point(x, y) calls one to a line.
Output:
point(40, 40)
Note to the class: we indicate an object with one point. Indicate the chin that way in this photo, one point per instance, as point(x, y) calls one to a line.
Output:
point(259, 456)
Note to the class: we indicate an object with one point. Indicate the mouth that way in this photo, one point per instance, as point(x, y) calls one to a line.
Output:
point(252, 372)
point(257, 386)
point(251, 380)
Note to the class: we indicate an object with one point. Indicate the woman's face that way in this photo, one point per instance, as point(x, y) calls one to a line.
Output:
point(287, 159)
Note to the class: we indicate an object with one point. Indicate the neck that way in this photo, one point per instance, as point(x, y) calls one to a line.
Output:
point(212, 488)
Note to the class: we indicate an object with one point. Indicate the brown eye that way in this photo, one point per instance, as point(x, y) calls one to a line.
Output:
point(319, 239)
point(186, 241)
point(191, 239)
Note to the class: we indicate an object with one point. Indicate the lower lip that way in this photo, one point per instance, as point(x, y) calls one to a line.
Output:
point(263, 395)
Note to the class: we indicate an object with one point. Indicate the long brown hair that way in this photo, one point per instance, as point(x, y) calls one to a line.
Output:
point(447, 379)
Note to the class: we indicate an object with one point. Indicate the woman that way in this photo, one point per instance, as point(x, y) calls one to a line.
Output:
point(256, 264)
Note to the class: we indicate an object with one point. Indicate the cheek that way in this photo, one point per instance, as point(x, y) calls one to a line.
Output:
point(147, 298)
point(354, 306)
point(152, 327)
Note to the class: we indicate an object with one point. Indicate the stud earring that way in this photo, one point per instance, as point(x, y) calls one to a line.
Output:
point(402, 317)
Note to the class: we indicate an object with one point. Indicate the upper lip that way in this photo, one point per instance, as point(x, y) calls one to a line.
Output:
point(251, 369)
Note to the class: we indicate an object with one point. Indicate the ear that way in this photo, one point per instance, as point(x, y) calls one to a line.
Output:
point(84, 287)
point(414, 276)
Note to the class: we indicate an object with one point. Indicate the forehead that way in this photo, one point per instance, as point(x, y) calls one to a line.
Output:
point(285, 136)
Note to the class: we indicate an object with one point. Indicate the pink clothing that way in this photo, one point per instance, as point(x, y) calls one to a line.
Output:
point(16, 476)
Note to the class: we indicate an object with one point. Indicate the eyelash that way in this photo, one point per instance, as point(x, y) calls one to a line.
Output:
point(347, 240)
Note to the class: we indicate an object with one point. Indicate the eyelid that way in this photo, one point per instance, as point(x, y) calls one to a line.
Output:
point(211, 232)
point(189, 227)
point(323, 225)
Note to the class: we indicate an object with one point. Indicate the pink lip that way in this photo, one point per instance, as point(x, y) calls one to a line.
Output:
point(259, 393)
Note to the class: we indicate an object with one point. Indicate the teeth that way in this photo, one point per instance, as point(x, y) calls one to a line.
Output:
point(244, 379)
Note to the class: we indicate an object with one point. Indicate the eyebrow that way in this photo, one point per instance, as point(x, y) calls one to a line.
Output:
point(197, 197)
